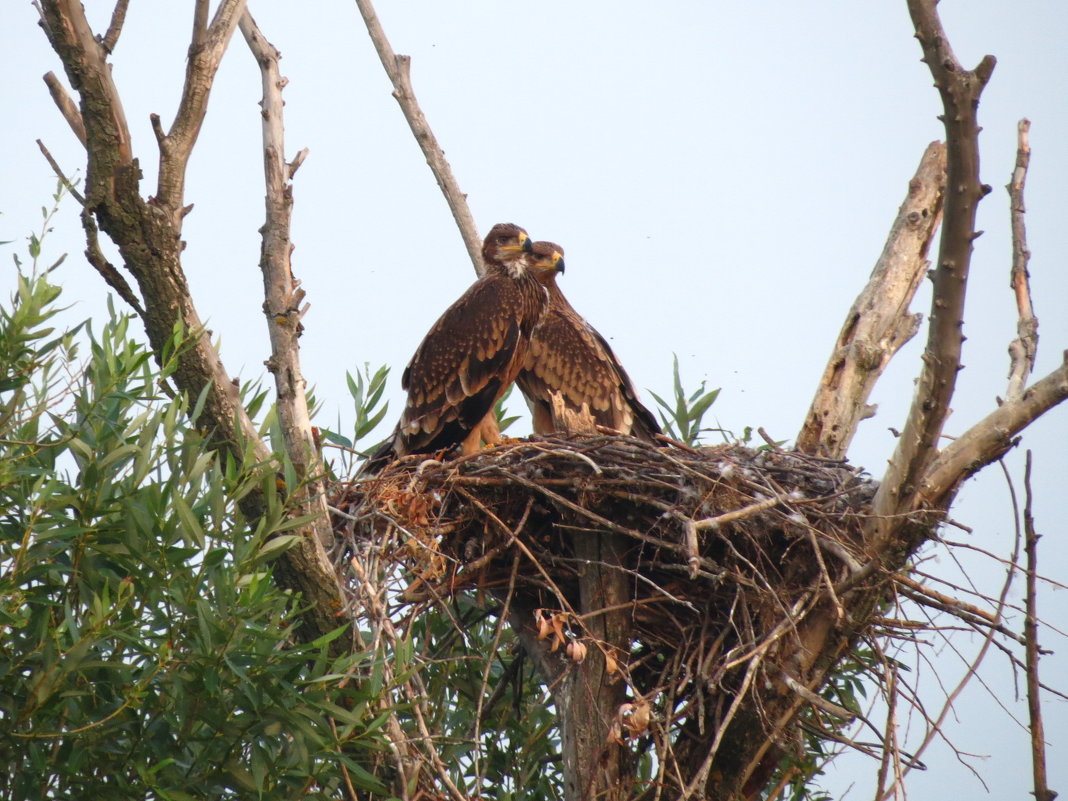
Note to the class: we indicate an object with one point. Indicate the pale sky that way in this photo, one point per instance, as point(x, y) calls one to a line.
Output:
point(721, 175)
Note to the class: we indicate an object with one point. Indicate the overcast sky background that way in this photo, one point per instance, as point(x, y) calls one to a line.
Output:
point(721, 175)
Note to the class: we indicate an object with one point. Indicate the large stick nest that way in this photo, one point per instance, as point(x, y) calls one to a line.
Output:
point(724, 544)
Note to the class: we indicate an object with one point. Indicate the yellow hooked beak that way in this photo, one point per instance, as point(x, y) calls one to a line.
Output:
point(523, 246)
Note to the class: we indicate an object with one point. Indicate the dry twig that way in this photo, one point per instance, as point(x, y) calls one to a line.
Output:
point(1042, 792)
point(1023, 349)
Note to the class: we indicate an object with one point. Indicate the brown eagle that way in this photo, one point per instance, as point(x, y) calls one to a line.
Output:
point(571, 378)
point(471, 355)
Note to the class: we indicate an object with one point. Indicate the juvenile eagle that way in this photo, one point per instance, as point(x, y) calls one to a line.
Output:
point(471, 355)
point(571, 378)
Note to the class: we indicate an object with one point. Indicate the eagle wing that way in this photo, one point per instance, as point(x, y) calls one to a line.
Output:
point(573, 380)
point(464, 364)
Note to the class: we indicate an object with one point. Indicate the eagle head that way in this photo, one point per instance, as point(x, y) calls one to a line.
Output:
point(505, 245)
point(548, 261)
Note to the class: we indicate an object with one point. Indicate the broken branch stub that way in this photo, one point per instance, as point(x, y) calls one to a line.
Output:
point(879, 322)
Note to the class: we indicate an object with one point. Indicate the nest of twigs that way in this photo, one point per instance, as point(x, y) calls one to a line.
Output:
point(720, 545)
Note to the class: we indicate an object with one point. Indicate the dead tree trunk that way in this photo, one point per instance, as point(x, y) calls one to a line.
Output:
point(592, 693)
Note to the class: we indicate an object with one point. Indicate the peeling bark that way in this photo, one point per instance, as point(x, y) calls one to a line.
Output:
point(879, 322)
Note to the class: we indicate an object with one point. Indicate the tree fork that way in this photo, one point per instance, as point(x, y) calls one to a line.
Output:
point(148, 236)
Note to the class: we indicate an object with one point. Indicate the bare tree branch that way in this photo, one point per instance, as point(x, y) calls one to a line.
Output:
point(283, 304)
point(74, 193)
point(112, 277)
point(878, 323)
point(150, 245)
point(200, 22)
point(398, 68)
point(66, 106)
point(205, 54)
point(1034, 700)
point(118, 17)
point(1023, 349)
point(918, 444)
point(990, 438)
point(87, 69)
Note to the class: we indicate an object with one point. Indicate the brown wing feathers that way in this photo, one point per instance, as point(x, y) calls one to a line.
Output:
point(470, 355)
point(512, 324)
point(462, 365)
point(571, 378)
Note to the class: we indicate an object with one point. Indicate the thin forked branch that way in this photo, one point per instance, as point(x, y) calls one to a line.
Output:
point(85, 60)
point(149, 243)
point(175, 148)
point(149, 246)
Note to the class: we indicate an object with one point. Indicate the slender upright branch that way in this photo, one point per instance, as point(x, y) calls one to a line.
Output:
point(1023, 349)
point(205, 54)
point(960, 90)
point(398, 68)
point(200, 22)
point(1034, 701)
point(283, 304)
point(118, 17)
point(878, 323)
